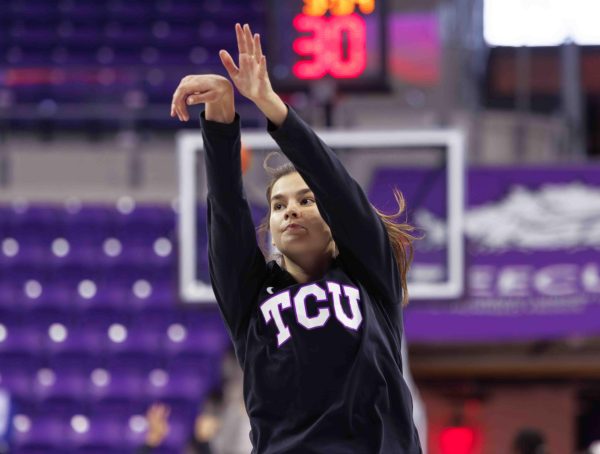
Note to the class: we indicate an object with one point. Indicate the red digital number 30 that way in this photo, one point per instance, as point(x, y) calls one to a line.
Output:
point(325, 46)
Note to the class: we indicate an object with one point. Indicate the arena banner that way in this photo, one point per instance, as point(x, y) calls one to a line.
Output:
point(532, 258)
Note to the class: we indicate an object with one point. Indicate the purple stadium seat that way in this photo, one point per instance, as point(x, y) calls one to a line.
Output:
point(140, 340)
point(21, 338)
point(91, 219)
point(112, 407)
point(139, 250)
point(39, 36)
point(92, 291)
point(131, 36)
point(76, 341)
point(147, 218)
point(130, 11)
point(32, 10)
point(53, 299)
point(122, 395)
point(181, 12)
point(55, 387)
point(90, 38)
point(102, 435)
point(34, 218)
point(202, 339)
point(6, 213)
point(184, 35)
point(37, 450)
point(176, 385)
point(162, 299)
point(107, 329)
point(123, 384)
point(16, 375)
point(34, 247)
point(135, 429)
point(44, 434)
point(83, 10)
point(13, 285)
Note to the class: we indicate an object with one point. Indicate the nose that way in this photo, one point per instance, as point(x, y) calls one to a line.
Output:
point(291, 211)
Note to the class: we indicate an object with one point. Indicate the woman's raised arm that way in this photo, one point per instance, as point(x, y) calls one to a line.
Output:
point(357, 229)
point(237, 266)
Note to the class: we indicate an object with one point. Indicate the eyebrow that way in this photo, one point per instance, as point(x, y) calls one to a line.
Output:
point(300, 192)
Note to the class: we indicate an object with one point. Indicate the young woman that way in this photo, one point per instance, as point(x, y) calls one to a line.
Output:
point(317, 333)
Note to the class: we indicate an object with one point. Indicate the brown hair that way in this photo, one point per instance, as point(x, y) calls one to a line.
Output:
point(400, 238)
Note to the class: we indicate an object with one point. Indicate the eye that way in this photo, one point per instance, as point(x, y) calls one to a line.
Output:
point(310, 200)
point(276, 206)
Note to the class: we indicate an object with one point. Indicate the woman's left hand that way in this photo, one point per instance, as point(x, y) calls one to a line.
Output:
point(251, 77)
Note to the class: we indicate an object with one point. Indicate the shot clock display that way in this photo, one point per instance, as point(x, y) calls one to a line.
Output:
point(342, 40)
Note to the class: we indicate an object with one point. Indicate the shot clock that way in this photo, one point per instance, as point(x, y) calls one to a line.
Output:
point(341, 40)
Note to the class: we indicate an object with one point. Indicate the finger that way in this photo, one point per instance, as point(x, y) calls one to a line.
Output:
point(198, 98)
point(262, 71)
point(179, 99)
point(174, 107)
point(245, 63)
point(248, 39)
point(177, 105)
point(182, 112)
point(229, 64)
point(192, 100)
point(175, 102)
point(239, 33)
point(257, 46)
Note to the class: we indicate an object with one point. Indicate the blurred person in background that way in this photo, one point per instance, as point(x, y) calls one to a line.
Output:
point(158, 427)
point(205, 426)
point(529, 441)
point(222, 425)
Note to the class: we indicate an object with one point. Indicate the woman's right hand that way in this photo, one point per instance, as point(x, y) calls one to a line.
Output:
point(213, 90)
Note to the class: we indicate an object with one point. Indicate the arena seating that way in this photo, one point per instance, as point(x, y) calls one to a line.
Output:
point(128, 55)
point(91, 330)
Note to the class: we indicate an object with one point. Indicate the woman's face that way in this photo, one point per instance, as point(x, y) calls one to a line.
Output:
point(293, 202)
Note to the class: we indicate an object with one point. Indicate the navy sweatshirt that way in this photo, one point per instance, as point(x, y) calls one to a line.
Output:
point(321, 360)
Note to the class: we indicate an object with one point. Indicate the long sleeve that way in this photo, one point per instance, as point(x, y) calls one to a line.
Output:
point(358, 231)
point(236, 264)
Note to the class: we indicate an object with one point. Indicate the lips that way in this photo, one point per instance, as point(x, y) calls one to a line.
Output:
point(293, 226)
